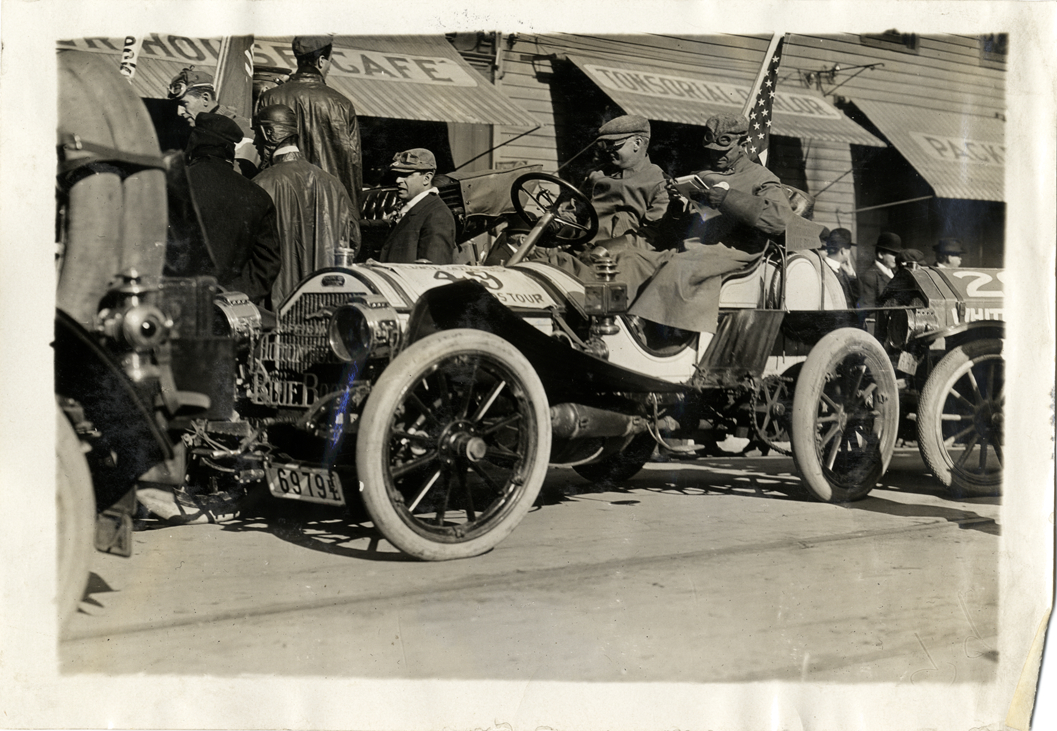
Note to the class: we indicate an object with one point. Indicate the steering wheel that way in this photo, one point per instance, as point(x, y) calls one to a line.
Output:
point(555, 208)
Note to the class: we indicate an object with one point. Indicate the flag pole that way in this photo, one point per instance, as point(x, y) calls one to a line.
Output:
point(751, 98)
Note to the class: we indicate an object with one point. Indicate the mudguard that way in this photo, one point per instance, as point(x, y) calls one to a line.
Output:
point(964, 302)
point(130, 441)
point(562, 369)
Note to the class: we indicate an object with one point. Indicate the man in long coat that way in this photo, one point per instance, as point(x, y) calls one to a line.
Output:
point(725, 231)
point(314, 213)
point(327, 126)
point(237, 218)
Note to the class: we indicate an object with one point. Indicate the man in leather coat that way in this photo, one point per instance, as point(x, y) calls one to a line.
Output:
point(314, 213)
point(327, 127)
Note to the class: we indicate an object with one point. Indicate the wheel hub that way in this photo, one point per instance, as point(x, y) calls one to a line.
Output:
point(461, 441)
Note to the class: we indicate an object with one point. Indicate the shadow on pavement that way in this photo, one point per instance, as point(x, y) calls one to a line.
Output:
point(710, 476)
point(319, 529)
point(966, 519)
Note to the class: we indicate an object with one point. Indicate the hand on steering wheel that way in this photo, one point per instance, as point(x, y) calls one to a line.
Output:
point(558, 211)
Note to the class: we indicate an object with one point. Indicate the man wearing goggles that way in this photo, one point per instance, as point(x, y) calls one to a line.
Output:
point(628, 191)
point(723, 230)
point(193, 91)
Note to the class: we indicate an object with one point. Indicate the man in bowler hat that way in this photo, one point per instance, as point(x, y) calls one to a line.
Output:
point(425, 227)
point(949, 253)
point(839, 259)
point(874, 280)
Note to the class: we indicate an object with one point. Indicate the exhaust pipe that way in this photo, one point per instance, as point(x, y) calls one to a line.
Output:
point(575, 421)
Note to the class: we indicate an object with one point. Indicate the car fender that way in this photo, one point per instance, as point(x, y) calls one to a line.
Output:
point(563, 369)
point(121, 416)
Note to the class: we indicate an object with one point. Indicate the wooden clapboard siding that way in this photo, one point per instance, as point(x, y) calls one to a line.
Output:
point(946, 74)
point(826, 165)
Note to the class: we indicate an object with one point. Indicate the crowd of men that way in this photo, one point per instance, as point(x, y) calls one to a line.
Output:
point(279, 197)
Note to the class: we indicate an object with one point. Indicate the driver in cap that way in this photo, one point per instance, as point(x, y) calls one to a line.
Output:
point(627, 191)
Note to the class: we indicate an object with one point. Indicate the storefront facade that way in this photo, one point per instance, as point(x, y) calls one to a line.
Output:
point(843, 103)
point(891, 132)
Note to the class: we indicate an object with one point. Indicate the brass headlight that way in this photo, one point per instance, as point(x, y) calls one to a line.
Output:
point(235, 316)
point(144, 327)
point(364, 330)
point(905, 325)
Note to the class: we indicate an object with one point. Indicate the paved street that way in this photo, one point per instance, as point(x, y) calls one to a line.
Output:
point(699, 572)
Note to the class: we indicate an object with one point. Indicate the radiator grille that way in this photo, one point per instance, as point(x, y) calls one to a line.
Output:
point(301, 338)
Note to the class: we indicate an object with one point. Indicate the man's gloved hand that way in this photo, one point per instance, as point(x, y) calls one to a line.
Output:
point(717, 192)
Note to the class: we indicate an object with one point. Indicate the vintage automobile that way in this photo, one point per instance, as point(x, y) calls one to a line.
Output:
point(440, 394)
point(944, 329)
point(134, 351)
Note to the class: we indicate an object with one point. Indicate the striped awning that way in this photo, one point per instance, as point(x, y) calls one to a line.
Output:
point(959, 155)
point(401, 77)
point(690, 95)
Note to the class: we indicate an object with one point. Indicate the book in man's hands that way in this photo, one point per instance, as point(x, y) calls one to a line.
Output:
point(690, 186)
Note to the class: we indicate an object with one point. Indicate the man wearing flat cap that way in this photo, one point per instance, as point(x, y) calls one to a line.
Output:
point(237, 218)
point(327, 127)
point(839, 259)
point(949, 253)
point(876, 278)
point(193, 91)
point(726, 229)
point(628, 192)
point(424, 229)
point(314, 213)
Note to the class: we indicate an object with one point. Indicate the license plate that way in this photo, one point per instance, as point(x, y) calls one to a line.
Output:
point(907, 363)
point(309, 484)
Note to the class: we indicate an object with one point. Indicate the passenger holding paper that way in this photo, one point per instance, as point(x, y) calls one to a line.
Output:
point(724, 229)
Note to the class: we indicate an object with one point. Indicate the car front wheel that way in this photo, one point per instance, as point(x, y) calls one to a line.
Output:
point(453, 445)
point(960, 430)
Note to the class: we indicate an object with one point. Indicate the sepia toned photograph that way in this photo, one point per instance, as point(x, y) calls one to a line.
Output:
point(499, 375)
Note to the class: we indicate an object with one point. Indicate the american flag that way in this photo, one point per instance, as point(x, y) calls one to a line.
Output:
point(760, 113)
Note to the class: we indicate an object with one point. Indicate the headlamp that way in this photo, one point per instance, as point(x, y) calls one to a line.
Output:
point(363, 330)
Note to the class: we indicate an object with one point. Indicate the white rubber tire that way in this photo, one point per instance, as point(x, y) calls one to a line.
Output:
point(405, 387)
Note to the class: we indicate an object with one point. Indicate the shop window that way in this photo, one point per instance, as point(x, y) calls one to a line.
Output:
point(994, 48)
point(893, 40)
